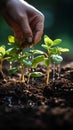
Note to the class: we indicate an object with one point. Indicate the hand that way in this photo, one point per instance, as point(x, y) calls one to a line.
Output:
point(25, 20)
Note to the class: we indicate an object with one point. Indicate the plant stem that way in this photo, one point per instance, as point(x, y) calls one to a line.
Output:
point(48, 74)
point(28, 78)
point(54, 71)
point(1, 71)
point(58, 71)
point(1, 66)
point(22, 74)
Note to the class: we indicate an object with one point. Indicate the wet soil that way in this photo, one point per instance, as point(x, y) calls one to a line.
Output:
point(34, 105)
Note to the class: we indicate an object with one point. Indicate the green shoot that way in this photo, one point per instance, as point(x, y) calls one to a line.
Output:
point(52, 54)
point(19, 56)
point(2, 56)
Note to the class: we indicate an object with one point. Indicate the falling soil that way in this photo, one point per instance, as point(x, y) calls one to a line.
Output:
point(34, 105)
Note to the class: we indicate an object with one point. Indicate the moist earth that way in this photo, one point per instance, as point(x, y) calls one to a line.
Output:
point(35, 105)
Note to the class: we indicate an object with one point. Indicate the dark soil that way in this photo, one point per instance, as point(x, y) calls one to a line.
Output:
point(37, 106)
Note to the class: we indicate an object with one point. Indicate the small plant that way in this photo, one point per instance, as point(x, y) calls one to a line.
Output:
point(52, 54)
point(2, 54)
point(17, 55)
point(2, 57)
point(22, 58)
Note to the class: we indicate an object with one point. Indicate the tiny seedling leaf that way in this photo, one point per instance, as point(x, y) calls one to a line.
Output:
point(37, 52)
point(56, 58)
point(57, 41)
point(48, 41)
point(54, 50)
point(11, 39)
point(36, 74)
point(37, 60)
point(1, 56)
point(13, 70)
point(2, 50)
point(45, 46)
point(63, 49)
point(26, 63)
point(46, 62)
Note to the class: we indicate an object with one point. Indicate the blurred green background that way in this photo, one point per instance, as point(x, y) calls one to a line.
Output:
point(58, 21)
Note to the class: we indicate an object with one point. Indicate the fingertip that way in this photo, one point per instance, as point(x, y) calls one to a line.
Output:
point(37, 38)
point(29, 40)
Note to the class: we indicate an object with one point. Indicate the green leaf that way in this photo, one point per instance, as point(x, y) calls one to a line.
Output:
point(37, 52)
point(14, 41)
point(36, 74)
point(63, 49)
point(1, 56)
point(37, 60)
point(26, 63)
point(13, 70)
point(46, 62)
point(56, 58)
point(54, 50)
point(12, 51)
point(57, 41)
point(11, 39)
point(45, 46)
point(48, 41)
point(2, 50)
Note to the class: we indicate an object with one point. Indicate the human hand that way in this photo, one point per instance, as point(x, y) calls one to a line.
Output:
point(25, 20)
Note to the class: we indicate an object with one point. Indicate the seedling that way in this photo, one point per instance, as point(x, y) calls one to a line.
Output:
point(16, 55)
point(2, 57)
point(22, 58)
point(37, 58)
point(52, 54)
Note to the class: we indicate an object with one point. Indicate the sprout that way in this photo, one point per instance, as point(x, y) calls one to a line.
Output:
point(52, 54)
point(36, 74)
point(22, 58)
point(2, 57)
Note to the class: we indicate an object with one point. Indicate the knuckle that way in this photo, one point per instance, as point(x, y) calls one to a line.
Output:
point(21, 17)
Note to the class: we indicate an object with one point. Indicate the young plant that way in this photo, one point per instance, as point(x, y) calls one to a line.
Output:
point(52, 54)
point(37, 58)
point(17, 55)
point(2, 57)
point(22, 58)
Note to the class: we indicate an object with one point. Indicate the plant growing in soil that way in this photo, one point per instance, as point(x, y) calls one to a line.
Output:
point(37, 57)
point(2, 57)
point(52, 54)
point(16, 54)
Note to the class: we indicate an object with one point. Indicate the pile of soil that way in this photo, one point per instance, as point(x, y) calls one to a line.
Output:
point(34, 105)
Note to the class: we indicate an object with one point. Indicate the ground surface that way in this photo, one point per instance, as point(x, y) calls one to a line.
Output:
point(35, 105)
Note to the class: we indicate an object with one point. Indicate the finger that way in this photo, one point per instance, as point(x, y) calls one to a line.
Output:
point(37, 37)
point(38, 32)
point(26, 30)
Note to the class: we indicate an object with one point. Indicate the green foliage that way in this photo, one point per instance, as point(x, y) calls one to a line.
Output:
point(13, 70)
point(53, 53)
point(2, 52)
point(36, 74)
point(56, 58)
point(13, 40)
point(22, 57)
point(37, 60)
point(32, 57)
